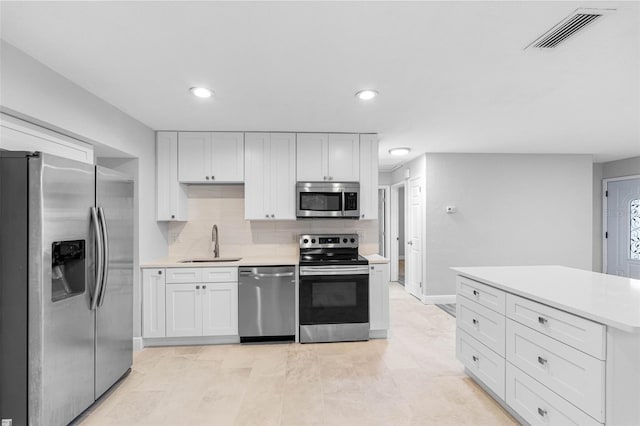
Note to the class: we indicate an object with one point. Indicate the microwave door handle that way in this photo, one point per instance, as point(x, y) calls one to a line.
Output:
point(344, 210)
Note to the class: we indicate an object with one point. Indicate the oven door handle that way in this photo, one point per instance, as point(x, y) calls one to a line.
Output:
point(357, 270)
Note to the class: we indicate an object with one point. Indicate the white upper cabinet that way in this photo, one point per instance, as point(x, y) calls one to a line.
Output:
point(344, 157)
point(328, 157)
point(211, 157)
point(171, 197)
point(368, 176)
point(270, 177)
point(311, 158)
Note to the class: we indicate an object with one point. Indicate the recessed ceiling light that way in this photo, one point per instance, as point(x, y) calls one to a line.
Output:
point(201, 92)
point(367, 94)
point(399, 151)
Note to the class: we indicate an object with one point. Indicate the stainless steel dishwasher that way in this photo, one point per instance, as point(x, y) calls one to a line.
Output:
point(266, 303)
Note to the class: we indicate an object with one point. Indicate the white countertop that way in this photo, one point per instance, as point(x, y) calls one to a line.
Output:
point(376, 258)
point(174, 262)
point(607, 299)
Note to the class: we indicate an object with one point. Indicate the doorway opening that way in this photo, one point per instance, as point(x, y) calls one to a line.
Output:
point(398, 233)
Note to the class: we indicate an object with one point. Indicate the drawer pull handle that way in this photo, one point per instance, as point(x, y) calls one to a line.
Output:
point(541, 360)
point(475, 358)
point(543, 320)
point(542, 412)
point(476, 293)
point(475, 321)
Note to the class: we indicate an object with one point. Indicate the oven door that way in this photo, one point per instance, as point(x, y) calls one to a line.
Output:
point(334, 295)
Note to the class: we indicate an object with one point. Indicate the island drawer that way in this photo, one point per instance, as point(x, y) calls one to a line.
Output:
point(537, 405)
point(485, 295)
point(582, 334)
point(482, 323)
point(577, 377)
point(486, 365)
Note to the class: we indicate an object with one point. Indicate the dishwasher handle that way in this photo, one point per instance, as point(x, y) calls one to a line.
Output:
point(257, 275)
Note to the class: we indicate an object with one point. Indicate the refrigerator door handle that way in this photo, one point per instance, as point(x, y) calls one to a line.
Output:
point(105, 254)
point(97, 229)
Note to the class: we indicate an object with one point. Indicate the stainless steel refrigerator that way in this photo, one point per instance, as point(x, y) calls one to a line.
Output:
point(66, 286)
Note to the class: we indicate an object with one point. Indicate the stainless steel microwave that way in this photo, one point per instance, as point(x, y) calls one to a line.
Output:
point(328, 200)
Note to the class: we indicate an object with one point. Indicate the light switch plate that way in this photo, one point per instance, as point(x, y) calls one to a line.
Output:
point(450, 209)
point(7, 422)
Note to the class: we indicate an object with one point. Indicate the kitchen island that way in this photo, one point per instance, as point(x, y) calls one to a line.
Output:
point(554, 345)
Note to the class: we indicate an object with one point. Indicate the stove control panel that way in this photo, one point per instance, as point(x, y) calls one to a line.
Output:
point(329, 240)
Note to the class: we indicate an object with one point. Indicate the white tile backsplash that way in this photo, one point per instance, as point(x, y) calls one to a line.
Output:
point(223, 205)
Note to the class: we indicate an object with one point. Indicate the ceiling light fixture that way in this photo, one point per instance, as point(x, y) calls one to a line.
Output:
point(399, 151)
point(201, 92)
point(366, 94)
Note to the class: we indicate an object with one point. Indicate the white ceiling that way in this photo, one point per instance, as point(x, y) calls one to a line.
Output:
point(452, 76)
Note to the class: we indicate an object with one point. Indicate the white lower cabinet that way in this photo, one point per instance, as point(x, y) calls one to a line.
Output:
point(578, 377)
point(546, 364)
point(190, 302)
point(219, 309)
point(540, 406)
point(204, 309)
point(153, 303)
point(485, 364)
point(379, 298)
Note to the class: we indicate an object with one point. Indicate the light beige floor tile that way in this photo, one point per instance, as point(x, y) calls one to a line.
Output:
point(412, 378)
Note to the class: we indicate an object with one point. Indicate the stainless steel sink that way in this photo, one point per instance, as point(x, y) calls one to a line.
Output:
point(213, 259)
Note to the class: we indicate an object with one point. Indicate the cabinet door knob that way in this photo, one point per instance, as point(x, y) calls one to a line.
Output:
point(542, 320)
point(266, 215)
point(542, 412)
point(206, 177)
point(475, 321)
point(173, 216)
point(197, 287)
point(213, 177)
point(324, 178)
point(273, 215)
point(475, 358)
point(159, 272)
point(204, 287)
point(541, 360)
point(476, 293)
point(363, 216)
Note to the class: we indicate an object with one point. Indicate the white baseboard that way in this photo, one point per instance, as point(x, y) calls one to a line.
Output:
point(186, 341)
point(377, 334)
point(138, 344)
point(443, 299)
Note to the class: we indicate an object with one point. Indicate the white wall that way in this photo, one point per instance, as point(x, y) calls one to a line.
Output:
point(36, 93)
point(611, 169)
point(512, 210)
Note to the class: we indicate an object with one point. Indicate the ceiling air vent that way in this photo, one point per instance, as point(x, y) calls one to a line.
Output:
point(578, 20)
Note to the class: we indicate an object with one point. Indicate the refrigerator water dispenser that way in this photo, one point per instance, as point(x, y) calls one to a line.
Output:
point(68, 276)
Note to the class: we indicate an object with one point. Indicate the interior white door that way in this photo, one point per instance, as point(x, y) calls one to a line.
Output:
point(413, 266)
point(623, 228)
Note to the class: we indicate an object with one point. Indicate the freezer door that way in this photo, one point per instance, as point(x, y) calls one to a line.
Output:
point(61, 325)
point(114, 314)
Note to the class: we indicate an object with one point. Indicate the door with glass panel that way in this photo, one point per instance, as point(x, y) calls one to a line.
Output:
point(622, 231)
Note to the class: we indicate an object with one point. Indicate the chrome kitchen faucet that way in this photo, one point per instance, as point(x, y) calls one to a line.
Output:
point(214, 240)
